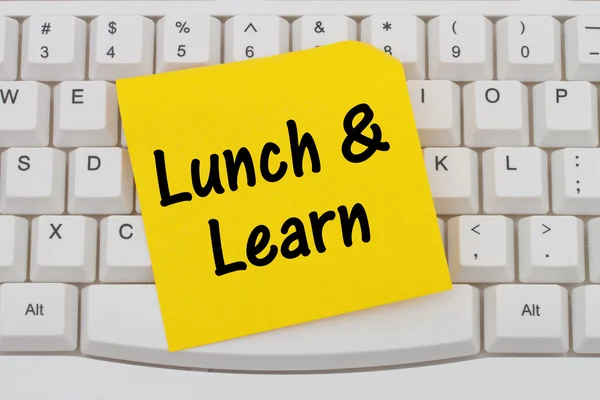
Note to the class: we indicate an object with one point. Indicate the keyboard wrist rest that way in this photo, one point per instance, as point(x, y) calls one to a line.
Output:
point(75, 378)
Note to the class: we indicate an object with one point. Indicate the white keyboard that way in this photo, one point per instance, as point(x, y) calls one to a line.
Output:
point(505, 97)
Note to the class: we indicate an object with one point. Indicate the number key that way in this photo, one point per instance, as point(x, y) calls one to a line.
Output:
point(121, 46)
point(187, 41)
point(9, 42)
point(401, 36)
point(529, 49)
point(461, 48)
point(53, 48)
point(255, 36)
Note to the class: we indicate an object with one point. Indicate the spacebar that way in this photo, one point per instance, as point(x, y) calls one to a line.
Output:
point(124, 322)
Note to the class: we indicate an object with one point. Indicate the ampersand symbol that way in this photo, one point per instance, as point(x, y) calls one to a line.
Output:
point(319, 28)
point(354, 134)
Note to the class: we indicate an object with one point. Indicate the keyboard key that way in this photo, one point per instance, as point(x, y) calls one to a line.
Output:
point(526, 319)
point(100, 181)
point(14, 236)
point(515, 181)
point(461, 48)
point(586, 323)
point(85, 114)
point(255, 36)
point(54, 48)
point(38, 317)
point(124, 322)
point(565, 114)
point(24, 114)
point(481, 249)
point(121, 46)
point(63, 249)
point(594, 249)
point(187, 41)
point(9, 48)
point(551, 250)
point(586, 320)
point(436, 108)
point(32, 181)
point(496, 114)
point(124, 253)
point(453, 179)
point(582, 51)
point(401, 36)
point(441, 226)
point(575, 184)
point(529, 48)
point(318, 30)
point(137, 204)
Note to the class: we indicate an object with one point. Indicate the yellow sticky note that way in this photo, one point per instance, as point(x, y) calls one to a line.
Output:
point(281, 190)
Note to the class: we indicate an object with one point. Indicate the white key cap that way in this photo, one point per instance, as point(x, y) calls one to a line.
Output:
point(453, 179)
point(123, 139)
point(121, 46)
point(515, 181)
point(318, 30)
point(481, 249)
point(496, 113)
point(441, 226)
point(124, 322)
point(124, 253)
point(38, 317)
point(594, 249)
point(137, 204)
point(187, 41)
point(586, 320)
point(53, 48)
point(255, 36)
point(461, 48)
point(33, 181)
point(14, 235)
point(24, 114)
point(529, 48)
point(401, 36)
point(9, 48)
point(565, 114)
point(63, 249)
point(100, 181)
point(582, 51)
point(526, 319)
point(85, 114)
point(436, 108)
point(551, 250)
point(575, 184)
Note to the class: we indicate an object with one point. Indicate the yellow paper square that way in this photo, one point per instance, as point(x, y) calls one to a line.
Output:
point(396, 251)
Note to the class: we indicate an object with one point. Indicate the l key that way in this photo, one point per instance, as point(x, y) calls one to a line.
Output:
point(515, 181)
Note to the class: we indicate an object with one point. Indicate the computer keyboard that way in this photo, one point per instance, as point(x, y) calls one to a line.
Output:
point(505, 97)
